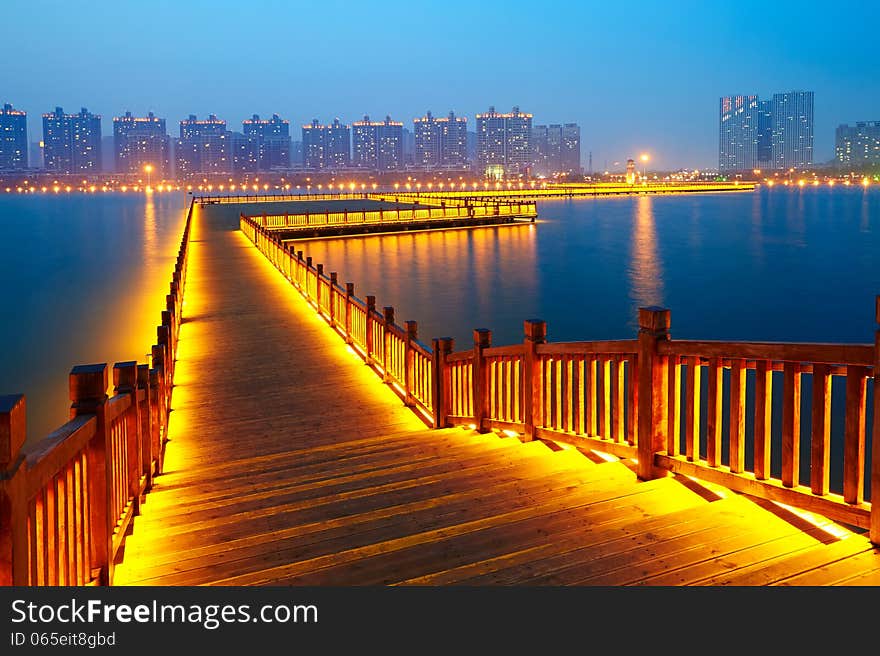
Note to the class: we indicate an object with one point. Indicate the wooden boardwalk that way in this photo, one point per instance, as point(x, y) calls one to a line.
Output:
point(289, 463)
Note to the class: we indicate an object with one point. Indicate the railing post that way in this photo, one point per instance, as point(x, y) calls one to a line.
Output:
point(319, 273)
point(371, 307)
point(482, 340)
point(88, 395)
point(875, 436)
point(440, 349)
point(349, 292)
point(158, 419)
point(332, 297)
point(388, 316)
point(412, 335)
point(125, 382)
point(146, 414)
point(653, 389)
point(13, 502)
point(299, 267)
point(535, 333)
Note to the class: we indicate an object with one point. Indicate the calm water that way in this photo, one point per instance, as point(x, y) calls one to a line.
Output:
point(84, 279)
point(777, 264)
point(85, 276)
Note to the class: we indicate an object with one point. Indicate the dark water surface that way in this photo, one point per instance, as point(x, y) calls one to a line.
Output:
point(85, 277)
point(84, 280)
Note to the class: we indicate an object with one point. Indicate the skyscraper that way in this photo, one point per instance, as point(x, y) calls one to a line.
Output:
point(13, 139)
point(792, 129)
point(765, 134)
point(326, 146)
point(377, 146)
point(203, 147)
point(504, 140)
point(244, 152)
point(556, 148)
point(570, 149)
point(858, 145)
point(72, 142)
point(738, 133)
point(440, 142)
point(139, 142)
point(272, 139)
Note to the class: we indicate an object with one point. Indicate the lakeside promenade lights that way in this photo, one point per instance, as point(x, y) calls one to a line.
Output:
point(148, 169)
point(644, 157)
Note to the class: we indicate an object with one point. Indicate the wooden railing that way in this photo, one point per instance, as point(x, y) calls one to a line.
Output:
point(455, 210)
point(640, 399)
point(68, 500)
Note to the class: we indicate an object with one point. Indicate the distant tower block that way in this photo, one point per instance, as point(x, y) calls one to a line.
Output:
point(630, 172)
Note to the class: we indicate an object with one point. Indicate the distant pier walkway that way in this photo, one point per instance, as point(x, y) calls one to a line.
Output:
point(289, 462)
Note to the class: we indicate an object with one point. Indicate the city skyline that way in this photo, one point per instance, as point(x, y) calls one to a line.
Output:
point(567, 70)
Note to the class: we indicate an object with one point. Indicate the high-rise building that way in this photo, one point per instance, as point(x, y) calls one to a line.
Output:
point(273, 141)
point(738, 133)
point(377, 146)
point(792, 130)
point(203, 147)
point(440, 142)
point(72, 142)
point(141, 141)
point(326, 146)
point(504, 140)
point(570, 149)
point(765, 134)
point(858, 145)
point(13, 139)
point(556, 148)
point(244, 152)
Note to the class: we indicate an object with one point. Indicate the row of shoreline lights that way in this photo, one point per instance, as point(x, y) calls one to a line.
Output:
point(341, 187)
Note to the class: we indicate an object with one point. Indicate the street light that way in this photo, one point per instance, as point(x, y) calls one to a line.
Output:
point(644, 157)
point(148, 169)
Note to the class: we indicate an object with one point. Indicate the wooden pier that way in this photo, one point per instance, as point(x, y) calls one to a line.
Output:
point(313, 439)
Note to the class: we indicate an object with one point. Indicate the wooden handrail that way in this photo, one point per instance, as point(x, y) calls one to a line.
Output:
point(630, 397)
point(67, 501)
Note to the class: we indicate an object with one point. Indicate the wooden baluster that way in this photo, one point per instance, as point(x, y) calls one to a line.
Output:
point(791, 425)
point(619, 392)
point(565, 393)
point(88, 395)
point(763, 416)
point(441, 388)
point(482, 340)
point(146, 415)
point(308, 277)
point(125, 376)
point(653, 380)
point(535, 333)
point(590, 415)
point(349, 292)
point(603, 382)
point(692, 409)
point(714, 408)
point(737, 416)
point(159, 419)
point(820, 439)
point(553, 369)
point(854, 439)
point(577, 401)
point(387, 360)
point(673, 437)
point(369, 328)
point(875, 436)
point(409, 362)
point(14, 552)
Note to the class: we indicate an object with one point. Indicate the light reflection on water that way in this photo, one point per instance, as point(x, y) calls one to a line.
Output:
point(84, 280)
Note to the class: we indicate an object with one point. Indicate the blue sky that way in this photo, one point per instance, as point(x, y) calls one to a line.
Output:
point(637, 76)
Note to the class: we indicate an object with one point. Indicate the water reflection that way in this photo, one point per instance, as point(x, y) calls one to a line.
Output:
point(645, 270)
point(449, 281)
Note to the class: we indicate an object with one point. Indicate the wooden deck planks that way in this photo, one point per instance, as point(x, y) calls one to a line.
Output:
point(290, 463)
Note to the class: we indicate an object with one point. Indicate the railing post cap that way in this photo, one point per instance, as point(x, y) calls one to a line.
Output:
point(654, 318)
point(13, 427)
point(388, 311)
point(88, 381)
point(334, 277)
point(535, 329)
point(143, 375)
point(125, 374)
point(482, 337)
point(371, 301)
point(349, 288)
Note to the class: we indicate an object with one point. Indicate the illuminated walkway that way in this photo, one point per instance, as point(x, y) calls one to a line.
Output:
point(289, 463)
